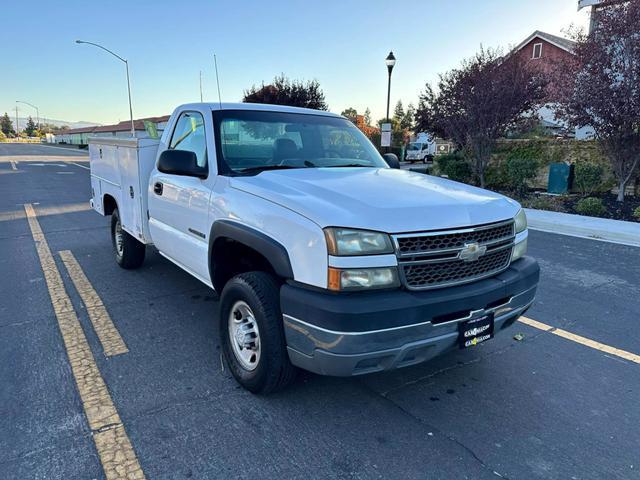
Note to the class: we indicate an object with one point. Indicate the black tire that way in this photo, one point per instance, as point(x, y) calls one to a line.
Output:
point(273, 370)
point(131, 255)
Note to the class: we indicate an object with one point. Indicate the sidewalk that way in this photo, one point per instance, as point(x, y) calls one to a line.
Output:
point(615, 231)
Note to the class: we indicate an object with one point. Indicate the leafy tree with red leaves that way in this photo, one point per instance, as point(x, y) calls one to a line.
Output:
point(605, 91)
point(283, 91)
point(479, 102)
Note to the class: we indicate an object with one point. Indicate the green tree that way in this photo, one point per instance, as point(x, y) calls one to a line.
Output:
point(367, 116)
point(398, 112)
point(6, 125)
point(31, 127)
point(350, 113)
point(284, 91)
point(407, 121)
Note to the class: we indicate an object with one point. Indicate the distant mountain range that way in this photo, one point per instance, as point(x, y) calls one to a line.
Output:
point(22, 122)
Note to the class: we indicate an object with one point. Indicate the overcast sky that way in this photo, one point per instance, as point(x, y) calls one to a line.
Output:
point(341, 43)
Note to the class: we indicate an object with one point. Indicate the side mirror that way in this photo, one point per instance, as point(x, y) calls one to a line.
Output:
point(392, 160)
point(181, 162)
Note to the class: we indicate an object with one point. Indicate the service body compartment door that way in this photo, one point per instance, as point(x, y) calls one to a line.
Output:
point(120, 168)
point(136, 165)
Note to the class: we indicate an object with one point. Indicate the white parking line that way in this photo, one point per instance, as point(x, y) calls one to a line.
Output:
point(78, 165)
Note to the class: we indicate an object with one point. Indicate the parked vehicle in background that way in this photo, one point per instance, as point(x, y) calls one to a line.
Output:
point(325, 258)
point(422, 150)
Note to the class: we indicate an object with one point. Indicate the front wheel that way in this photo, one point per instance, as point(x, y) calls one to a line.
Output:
point(129, 252)
point(251, 333)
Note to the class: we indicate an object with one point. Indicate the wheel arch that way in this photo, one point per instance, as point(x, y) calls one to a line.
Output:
point(230, 240)
point(109, 204)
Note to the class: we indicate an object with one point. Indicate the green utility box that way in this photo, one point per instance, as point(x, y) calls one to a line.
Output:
point(560, 178)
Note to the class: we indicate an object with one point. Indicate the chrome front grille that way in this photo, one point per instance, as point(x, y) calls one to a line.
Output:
point(437, 259)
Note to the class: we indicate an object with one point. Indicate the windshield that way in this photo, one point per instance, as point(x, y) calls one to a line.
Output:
point(414, 146)
point(248, 142)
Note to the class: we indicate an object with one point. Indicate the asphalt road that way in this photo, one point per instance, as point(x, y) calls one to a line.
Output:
point(544, 407)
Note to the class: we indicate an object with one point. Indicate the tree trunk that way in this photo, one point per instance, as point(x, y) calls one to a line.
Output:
point(481, 178)
point(622, 187)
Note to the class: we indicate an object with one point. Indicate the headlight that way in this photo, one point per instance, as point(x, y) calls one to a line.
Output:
point(521, 221)
point(519, 250)
point(362, 278)
point(345, 242)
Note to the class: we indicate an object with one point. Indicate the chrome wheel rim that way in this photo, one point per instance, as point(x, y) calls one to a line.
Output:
point(117, 236)
point(244, 335)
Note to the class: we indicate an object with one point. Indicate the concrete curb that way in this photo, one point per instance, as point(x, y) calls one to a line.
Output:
point(603, 229)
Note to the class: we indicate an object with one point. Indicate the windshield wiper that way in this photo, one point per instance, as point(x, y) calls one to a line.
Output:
point(263, 168)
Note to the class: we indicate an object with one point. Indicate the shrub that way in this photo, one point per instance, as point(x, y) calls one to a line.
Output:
point(636, 213)
point(496, 176)
point(519, 171)
point(455, 167)
point(552, 204)
point(3, 137)
point(590, 206)
point(588, 177)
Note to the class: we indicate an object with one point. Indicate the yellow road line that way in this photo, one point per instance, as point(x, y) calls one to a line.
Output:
point(116, 453)
point(632, 357)
point(110, 338)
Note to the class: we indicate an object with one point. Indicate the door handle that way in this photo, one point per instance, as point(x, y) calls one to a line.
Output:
point(157, 188)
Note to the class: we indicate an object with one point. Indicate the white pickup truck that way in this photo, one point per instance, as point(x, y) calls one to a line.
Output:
point(326, 256)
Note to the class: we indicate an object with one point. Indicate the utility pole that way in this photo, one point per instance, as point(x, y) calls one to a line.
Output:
point(16, 120)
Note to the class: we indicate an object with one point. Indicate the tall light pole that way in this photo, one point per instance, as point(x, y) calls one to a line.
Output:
point(200, 86)
point(390, 61)
point(37, 111)
point(126, 63)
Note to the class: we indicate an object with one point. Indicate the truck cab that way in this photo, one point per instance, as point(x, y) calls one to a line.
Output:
point(325, 257)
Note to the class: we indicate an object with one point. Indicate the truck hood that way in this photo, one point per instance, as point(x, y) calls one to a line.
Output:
point(382, 199)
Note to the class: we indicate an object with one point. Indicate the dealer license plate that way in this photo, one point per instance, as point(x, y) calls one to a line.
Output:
point(475, 331)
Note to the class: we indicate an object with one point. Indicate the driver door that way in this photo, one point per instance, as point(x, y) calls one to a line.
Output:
point(179, 205)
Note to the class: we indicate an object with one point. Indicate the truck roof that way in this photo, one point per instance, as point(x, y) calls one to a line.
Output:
point(258, 106)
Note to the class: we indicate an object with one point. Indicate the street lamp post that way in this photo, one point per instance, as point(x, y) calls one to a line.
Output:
point(126, 63)
point(390, 61)
point(37, 111)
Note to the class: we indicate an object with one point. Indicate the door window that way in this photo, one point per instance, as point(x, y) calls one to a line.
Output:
point(189, 135)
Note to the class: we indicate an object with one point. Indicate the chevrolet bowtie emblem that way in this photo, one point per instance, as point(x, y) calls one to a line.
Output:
point(472, 252)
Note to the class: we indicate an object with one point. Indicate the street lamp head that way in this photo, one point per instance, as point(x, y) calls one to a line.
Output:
point(390, 61)
point(79, 41)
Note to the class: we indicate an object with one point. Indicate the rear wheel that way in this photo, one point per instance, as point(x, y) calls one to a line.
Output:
point(129, 252)
point(251, 333)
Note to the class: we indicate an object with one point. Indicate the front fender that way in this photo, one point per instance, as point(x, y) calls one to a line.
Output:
point(271, 249)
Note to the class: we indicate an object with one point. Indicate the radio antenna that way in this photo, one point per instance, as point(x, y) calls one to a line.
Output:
point(200, 86)
point(215, 63)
